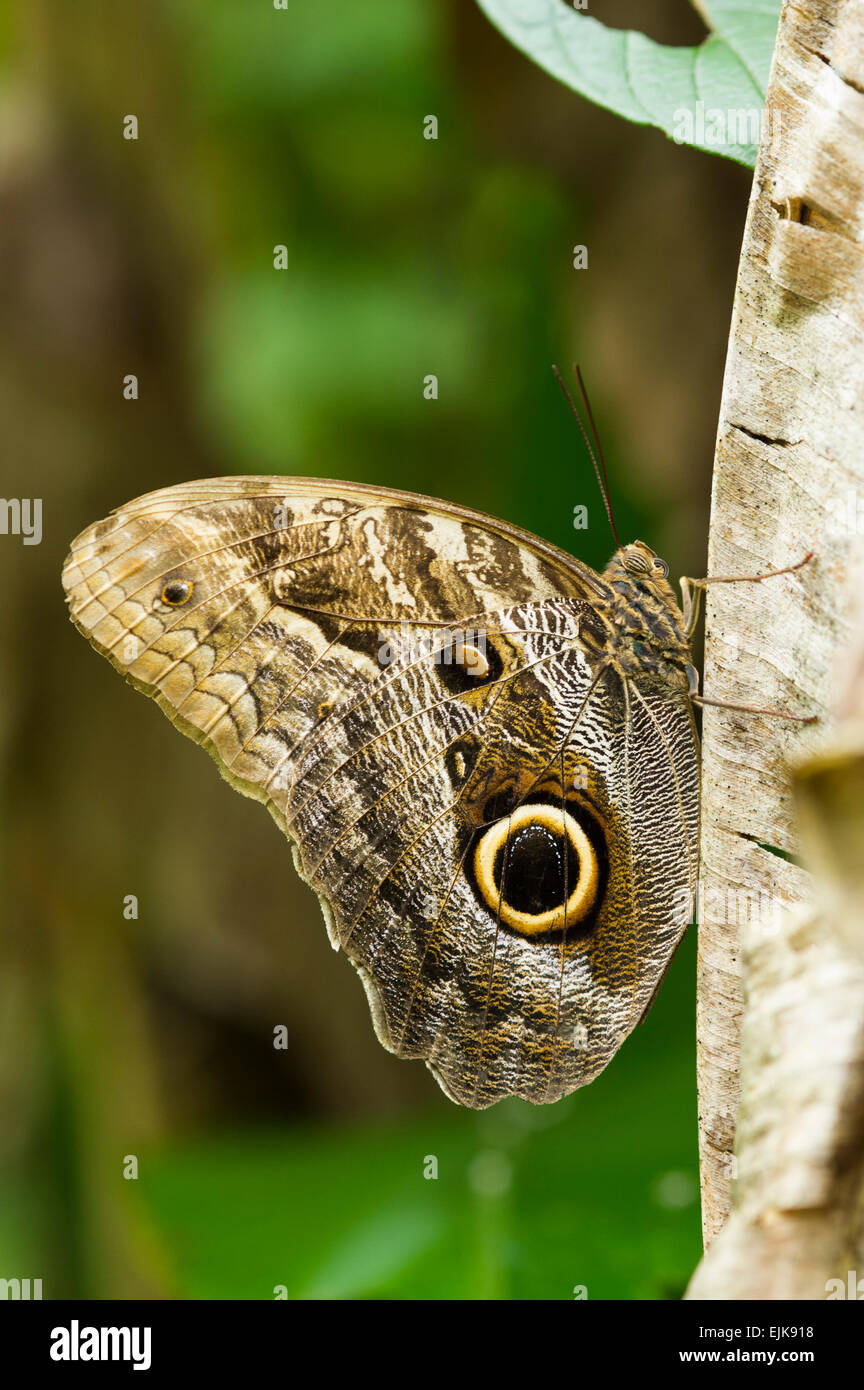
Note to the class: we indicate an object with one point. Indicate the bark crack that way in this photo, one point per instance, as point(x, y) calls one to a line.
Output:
point(776, 441)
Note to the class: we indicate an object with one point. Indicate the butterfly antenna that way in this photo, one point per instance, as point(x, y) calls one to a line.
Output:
point(594, 429)
point(602, 479)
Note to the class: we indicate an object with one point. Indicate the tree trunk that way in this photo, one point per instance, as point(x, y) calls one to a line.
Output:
point(789, 478)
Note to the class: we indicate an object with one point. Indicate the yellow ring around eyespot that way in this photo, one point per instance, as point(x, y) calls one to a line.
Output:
point(584, 894)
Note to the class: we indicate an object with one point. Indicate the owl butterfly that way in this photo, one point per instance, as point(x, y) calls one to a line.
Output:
point(483, 752)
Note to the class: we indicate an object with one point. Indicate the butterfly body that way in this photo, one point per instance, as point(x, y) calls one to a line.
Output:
point(482, 751)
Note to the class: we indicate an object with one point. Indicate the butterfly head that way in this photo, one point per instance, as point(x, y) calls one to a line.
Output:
point(645, 608)
point(641, 565)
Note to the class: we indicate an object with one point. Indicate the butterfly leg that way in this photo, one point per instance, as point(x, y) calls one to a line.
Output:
point(697, 699)
point(693, 589)
point(756, 709)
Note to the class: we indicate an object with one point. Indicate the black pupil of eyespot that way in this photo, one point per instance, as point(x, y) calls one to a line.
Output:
point(535, 878)
point(175, 593)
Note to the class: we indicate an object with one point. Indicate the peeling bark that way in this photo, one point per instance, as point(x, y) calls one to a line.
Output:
point(789, 478)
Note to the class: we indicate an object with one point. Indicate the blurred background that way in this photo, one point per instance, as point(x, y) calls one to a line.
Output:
point(153, 1037)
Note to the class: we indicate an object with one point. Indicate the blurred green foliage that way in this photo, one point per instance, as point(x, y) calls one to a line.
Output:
point(528, 1203)
point(405, 256)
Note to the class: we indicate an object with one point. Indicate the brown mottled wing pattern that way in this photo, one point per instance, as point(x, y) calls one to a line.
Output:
point(311, 660)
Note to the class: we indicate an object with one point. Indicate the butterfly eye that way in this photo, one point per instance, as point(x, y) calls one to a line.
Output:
point(537, 870)
point(176, 592)
point(636, 561)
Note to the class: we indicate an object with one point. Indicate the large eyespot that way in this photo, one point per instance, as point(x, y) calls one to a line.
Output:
point(527, 864)
point(177, 592)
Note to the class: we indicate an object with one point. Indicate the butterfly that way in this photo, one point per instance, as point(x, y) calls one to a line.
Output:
point(482, 751)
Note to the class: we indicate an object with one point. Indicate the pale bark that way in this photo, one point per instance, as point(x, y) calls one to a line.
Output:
point(789, 477)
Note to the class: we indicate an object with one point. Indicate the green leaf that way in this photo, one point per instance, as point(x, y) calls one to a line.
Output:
point(710, 96)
